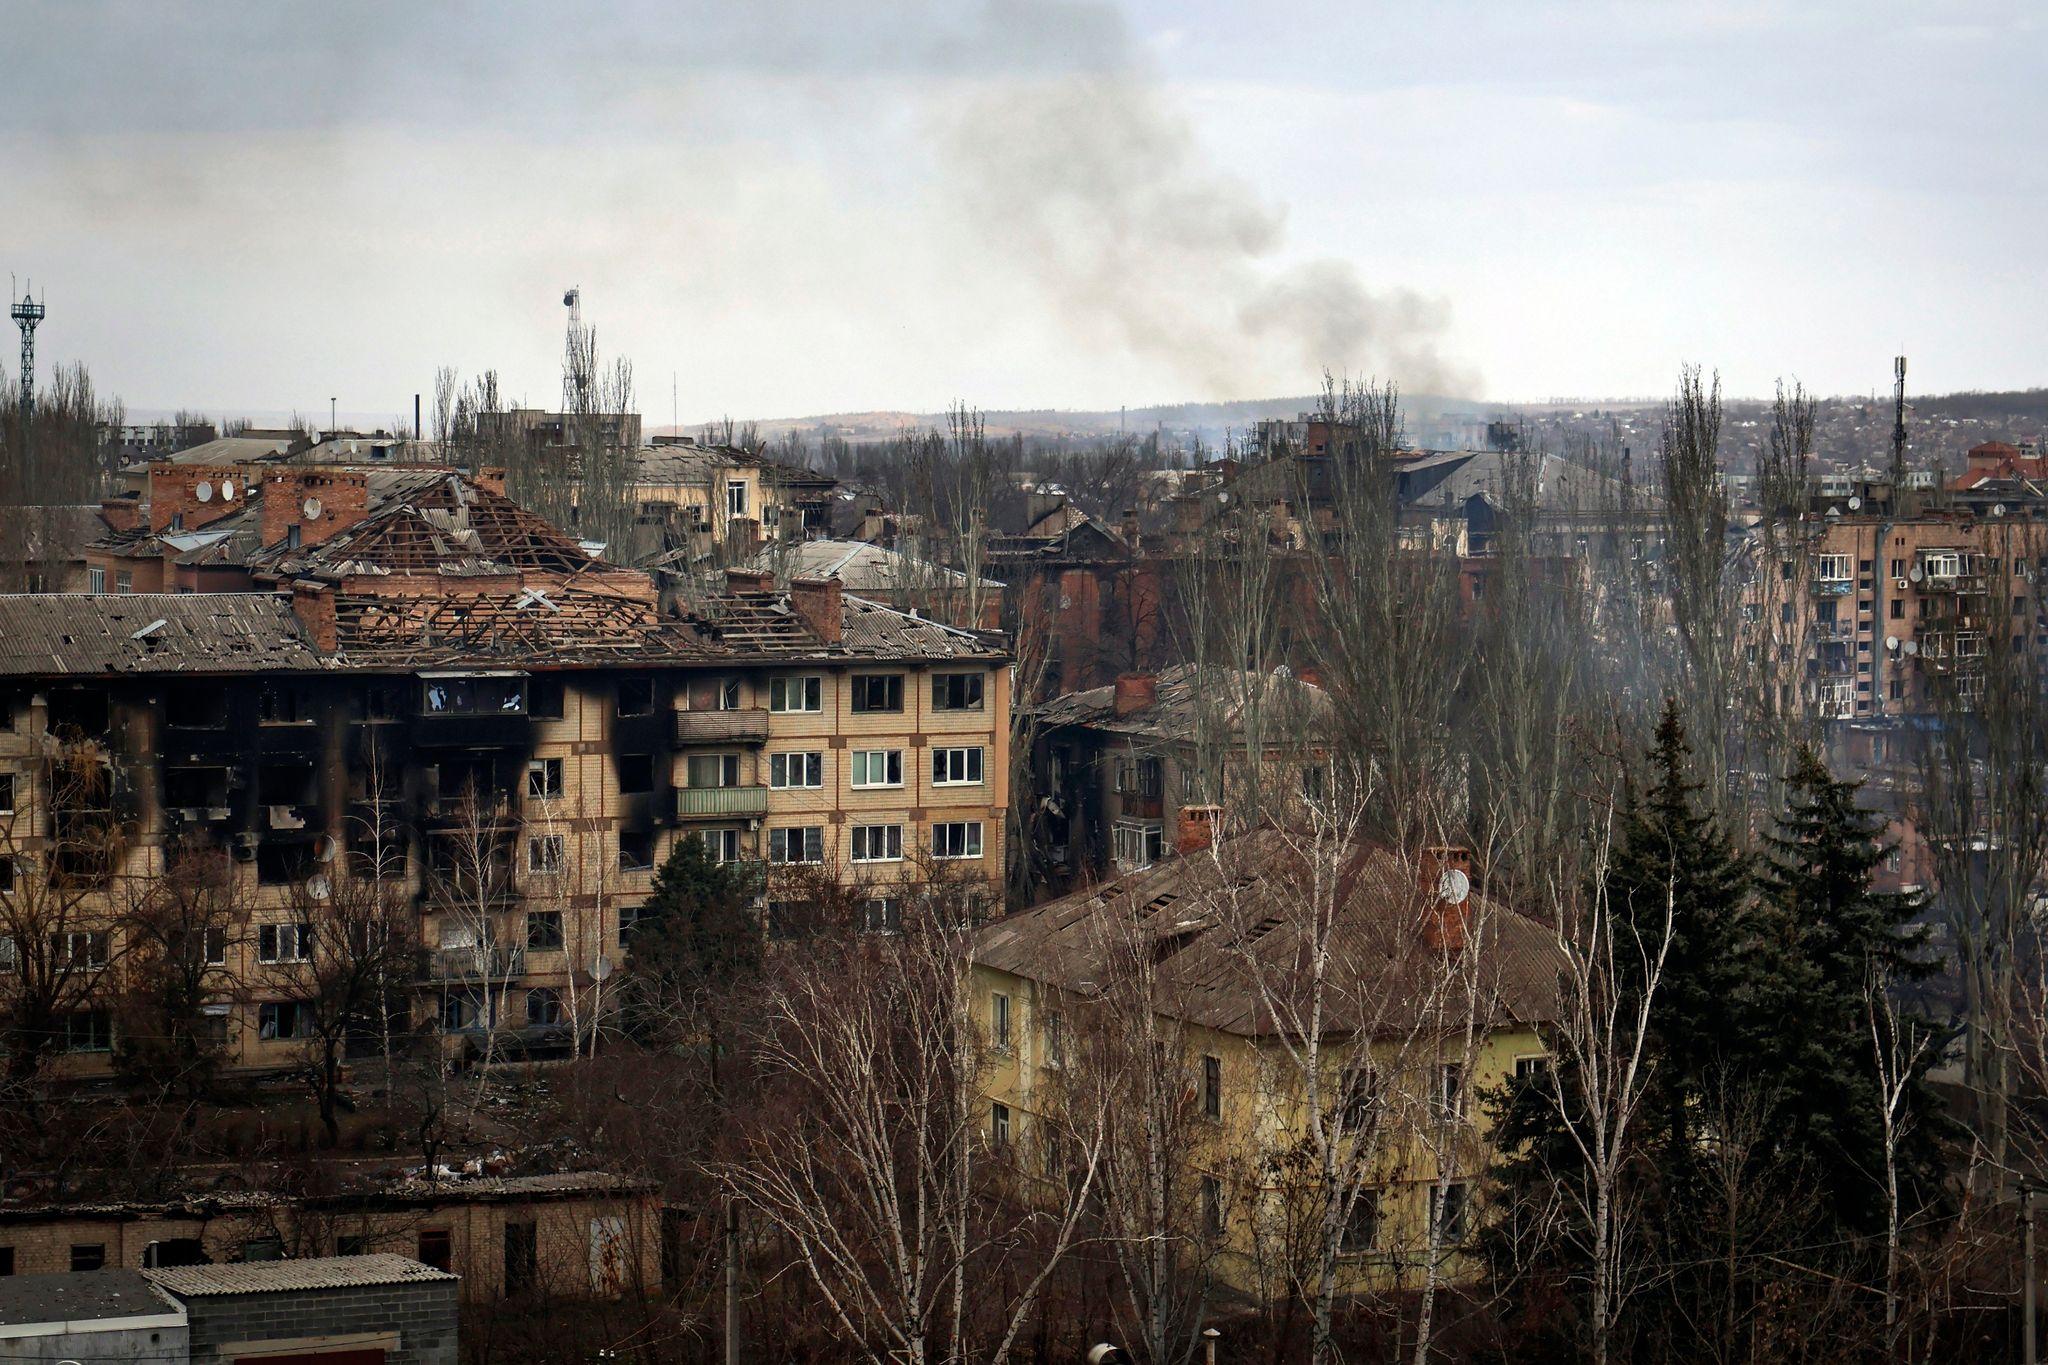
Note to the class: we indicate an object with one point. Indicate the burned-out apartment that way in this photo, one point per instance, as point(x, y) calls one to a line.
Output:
point(401, 674)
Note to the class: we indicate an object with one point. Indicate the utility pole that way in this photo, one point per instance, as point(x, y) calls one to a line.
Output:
point(2027, 1297)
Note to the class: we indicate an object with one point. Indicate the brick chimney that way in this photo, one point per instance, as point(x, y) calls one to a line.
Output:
point(1130, 527)
point(313, 604)
point(749, 580)
point(175, 494)
point(1197, 828)
point(1445, 921)
point(491, 478)
point(820, 603)
point(1135, 692)
point(121, 514)
point(322, 503)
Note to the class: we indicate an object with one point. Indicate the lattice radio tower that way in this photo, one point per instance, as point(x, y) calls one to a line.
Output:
point(26, 315)
point(1898, 470)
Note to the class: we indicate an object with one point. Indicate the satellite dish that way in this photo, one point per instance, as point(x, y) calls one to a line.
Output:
point(1912, 646)
point(1223, 497)
point(1834, 511)
point(1916, 573)
point(1453, 886)
point(1997, 509)
point(204, 491)
point(311, 507)
point(602, 968)
point(1855, 503)
point(1891, 642)
point(227, 490)
point(318, 888)
point(323, 849)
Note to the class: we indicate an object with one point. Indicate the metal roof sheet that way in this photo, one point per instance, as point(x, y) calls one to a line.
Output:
point(275, 1277)
point(81, 1297)
point(45, 634)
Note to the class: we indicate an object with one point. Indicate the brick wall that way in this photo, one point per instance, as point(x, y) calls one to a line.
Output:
point(423, 1316)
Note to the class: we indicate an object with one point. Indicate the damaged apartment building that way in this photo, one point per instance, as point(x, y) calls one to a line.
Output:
point(400, 674)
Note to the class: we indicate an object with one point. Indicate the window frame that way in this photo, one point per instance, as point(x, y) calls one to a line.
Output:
point(974, 765)
point(862, 701)
point(861, 844)
point(812, 761)
point(812, 692)
point(973, 838)
point(892, 763)
point(942, 687)
point(812, 839)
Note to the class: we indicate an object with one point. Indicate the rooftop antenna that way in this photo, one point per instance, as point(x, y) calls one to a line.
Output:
point(26, 315)
point(576, 372)
point(1898, 426)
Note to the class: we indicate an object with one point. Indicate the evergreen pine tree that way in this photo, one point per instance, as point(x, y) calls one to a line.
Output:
point(1827, 934)
point(695, 942)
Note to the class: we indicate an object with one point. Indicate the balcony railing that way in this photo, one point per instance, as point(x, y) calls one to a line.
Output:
point(498, 962)
point(696, 803)
point(1832, 587)
point(745, 726)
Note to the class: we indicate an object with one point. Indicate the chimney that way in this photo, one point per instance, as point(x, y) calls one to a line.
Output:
point(819, 602)
point(313, 604)
point(321, 503)
point(491, 478)
point(1039, 506)
point(121, 514)
point(1135, 692)
point(189, 495)
point(749, 580)
point(1130, 527)
point(1445, 874)
point(1197, 828)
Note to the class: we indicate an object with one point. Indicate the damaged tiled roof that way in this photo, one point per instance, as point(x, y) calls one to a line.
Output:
point(59, 633)
point(1213, 926)
point(534, 625)
point(751, 623)
point(1180, 694)
point(862, 567)
point(275, 1277)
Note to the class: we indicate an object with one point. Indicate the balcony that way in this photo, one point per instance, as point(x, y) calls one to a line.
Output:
point(748, 725)
point(699, 803)
point(1832, 587)
point(499, 962)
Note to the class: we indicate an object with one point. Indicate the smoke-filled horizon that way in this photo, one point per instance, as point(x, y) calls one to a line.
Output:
point(804, 208)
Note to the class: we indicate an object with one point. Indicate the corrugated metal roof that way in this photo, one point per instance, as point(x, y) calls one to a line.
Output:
point(77, 633)
point(1182, 691)
point(276, 1277)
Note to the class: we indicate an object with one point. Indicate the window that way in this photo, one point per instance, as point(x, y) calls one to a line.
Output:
point(543, 1006)
point(796, 770)
point(1140, 776)
point(10, 956)
point(547, 699)
point(88, 1031)
point(877, 767)
point(88, 1255)
point(714, 770)
point(956, 767)
point(1361, 1099)
point(6, 793)
point(631, 916)
point(999, 1020)
point(544, 777)
point(1450, 1089)
point(877, 692)
point(544, 930)
point(124, 580)
point(877, 843)
point(284, 943)
point(1531, 1069)
point(881, 915)
point(1137, 843)
point(475, 696)
point(1212, 1087)
point(724, 845)
point(729, 694)
point(1362, 1224)
point(796, 694)
point(999, 1124)
point(351, 1244)
point(95, 580)
point(1898, 609)
point(279, 704)
point(636, 850)
point(796, 844)
point(522, 1256)
point(546, 854)
point(436, 1248)
point(1315, 782)
point(957, 839)
point(79, 949)
point(735, 497)
point(1832, 568)
point(1212, 1207)
point(636, 696)
point(280, 1019)
point(636, 772)
point(956, 691)
point(1449, 1206)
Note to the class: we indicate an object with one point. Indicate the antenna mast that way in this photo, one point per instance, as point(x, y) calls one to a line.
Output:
point(575, 366)
point(26, 315)
point(1898, 428)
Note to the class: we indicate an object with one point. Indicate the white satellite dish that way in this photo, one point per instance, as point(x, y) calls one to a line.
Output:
point(227, 490)
point(1453, 886)
point(1915, 573)
point(323, 849)
point(602, 968)
point(1891, 642)
point(1997, 509)
point(204, 491)
point(1912, 646)
point(318, 888)
point(311, 507)
point(1855, 503)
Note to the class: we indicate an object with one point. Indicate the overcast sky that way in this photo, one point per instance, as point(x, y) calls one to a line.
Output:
point(812, 207)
